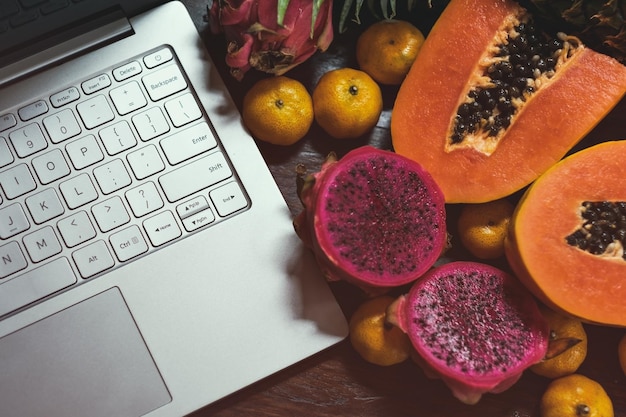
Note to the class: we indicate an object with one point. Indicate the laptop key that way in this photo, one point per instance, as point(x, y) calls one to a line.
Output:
point(33, 110)
point(195, 176)
point(13, 220)
point(35, 285)
point(93, 259)
point(42, 244)
point(5, 154)
point(7, 121)
point(13, 260)
point(17, 181)
point(28, 140)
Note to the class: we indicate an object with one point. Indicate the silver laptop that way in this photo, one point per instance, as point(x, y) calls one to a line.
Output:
point(148, 264)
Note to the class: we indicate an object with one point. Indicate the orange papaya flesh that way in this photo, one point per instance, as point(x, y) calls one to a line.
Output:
point(569, 279)
point(551, 121)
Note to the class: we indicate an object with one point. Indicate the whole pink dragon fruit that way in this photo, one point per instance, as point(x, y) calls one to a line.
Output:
point(260, 37)
point(474, 326)
point(373, 218)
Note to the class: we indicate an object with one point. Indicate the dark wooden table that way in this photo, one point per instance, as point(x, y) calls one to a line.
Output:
point(338, 382)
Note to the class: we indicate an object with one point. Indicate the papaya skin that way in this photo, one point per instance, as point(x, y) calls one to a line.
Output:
point(553, 120)
point(567, 279)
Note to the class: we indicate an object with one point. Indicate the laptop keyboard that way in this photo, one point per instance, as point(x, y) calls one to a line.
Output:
point(104, 171)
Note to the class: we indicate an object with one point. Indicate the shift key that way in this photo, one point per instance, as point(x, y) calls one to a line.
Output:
point(195, 176)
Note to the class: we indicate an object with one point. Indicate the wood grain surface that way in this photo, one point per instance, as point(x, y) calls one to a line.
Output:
point(338, 382)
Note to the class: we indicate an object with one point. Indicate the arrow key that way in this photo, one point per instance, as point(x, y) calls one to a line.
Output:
point(198, 220)
point(228, 199)
point(76, 229)
point(162, 228)
point(191, 207)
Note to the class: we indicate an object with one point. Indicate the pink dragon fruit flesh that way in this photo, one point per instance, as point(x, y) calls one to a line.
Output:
point(373, 218)
point(257, 38)
point(472, 325)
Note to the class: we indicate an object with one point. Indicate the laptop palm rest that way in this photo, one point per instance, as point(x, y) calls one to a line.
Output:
point(107, 372)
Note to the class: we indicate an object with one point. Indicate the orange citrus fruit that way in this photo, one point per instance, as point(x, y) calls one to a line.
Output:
point(377, 341)
point(387, 49)
point(621, 351)
point(575, 395)
point(278, 110)
point(347, 103)
point(482, 227)
point(563, 328)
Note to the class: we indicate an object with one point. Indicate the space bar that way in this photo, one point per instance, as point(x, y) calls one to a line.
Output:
point(36, 284)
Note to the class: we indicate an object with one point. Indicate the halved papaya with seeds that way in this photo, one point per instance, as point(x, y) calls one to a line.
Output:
point(567, 238)
point(492, 101)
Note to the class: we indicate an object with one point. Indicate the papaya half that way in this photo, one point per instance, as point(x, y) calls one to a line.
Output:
point(567, 237)
point(493, 100)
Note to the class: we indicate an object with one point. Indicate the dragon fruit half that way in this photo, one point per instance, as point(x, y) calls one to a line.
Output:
point(260, 37)
point(373, 218)
point(472, 325)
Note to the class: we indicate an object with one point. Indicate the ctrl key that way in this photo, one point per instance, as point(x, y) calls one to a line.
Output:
point(35, 284)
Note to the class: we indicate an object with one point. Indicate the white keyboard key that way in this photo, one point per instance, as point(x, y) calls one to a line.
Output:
point(150, 123)
point(112, 176)
point(195, 176)
point(127, 70)
point(78, 191)
point(84, 152)
point(17, 181)
point(64, 97)
point(76, 229)
point(96, 84)
point(42, 244)
point(228, 199)
point(145, 162)
point(128, 243)
point(128, 98)
point(198, 220)
point(33, 110)
point(28, 140)
point(183, 109)
point(164, 82)
point(95, 112)
point(7, 121)
point(110, 214)
point(144, 199)
point(162, 228)
point(5, 153)
point(36, 284)
point(13, 260)
point(117, 137)
point(61, 126)
point(50, 166)
point(93, 259)
point(44, 205)
point(192, 206)
point(158, 58)
point(13, 220)
point(188, 143)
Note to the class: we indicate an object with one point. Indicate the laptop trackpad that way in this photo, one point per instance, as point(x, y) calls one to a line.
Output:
point(87, 360)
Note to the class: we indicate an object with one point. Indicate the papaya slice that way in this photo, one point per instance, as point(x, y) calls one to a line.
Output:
point(492, 101)
point(567, 236)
